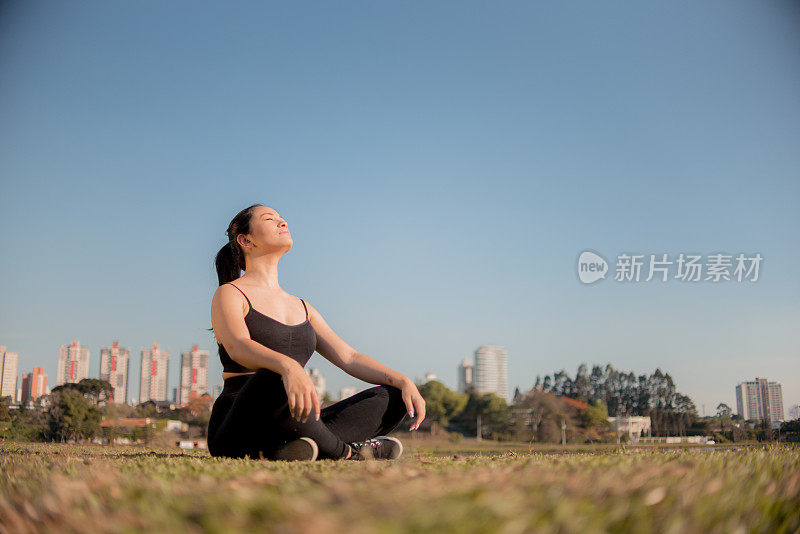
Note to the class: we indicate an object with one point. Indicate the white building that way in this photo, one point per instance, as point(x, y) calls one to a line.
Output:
point(631, 425)
point(318, 380)
point(491, 375)
point(154, 374)
point(9, 363)
point(465, 375)
point(760, 400)
point(73, 363)
point(194, 374)
point(114, 363)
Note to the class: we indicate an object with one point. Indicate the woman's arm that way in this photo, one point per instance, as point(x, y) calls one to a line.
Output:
point(227, 318)
point(334, 349)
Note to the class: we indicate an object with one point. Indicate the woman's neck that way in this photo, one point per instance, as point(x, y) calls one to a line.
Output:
point(263, 272)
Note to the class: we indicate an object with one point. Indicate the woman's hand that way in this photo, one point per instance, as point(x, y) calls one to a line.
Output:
point(300, 391)
point(414, 402)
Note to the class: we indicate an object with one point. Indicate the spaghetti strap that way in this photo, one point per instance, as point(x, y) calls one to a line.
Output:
point(304, 307)
point(245, 296)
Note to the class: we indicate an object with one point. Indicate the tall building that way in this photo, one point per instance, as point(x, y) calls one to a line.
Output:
point(318, 380)
point(114, 368)
point(760, 400)
point(465, 372)
point(73, 363)
point(194, 374)
point(34, 385)
point(491, 375)
point(9, 361)
point(154, 374)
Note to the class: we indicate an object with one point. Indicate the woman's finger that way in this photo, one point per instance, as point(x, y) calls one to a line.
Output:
point(420, 412)
point(316, 405)
point(292, 403)
point(307, 406)
point(420, 408)
point(409, 403)
point(299, 407)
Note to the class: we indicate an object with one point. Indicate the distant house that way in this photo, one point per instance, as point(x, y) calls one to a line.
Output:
point(631, 425)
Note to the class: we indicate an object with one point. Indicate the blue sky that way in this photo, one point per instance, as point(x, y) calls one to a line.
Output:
point(441, 167)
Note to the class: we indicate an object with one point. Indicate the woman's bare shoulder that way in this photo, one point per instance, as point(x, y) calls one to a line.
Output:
point(227, 294)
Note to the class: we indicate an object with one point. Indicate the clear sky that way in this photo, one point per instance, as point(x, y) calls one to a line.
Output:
point(441, 166)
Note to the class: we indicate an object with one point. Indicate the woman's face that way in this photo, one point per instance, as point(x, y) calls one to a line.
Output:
point(268, 231)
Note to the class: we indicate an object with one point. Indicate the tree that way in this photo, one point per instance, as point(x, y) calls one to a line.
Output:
point(582, 386)
point(724, 413)
point(492, 409)
point(71, 416)
point(791, 430)
point(5, 402)
point(95, 390)
point(596, 415)
point(147, 409)
point(686, 412)
point(27, 425)
point(441, 403)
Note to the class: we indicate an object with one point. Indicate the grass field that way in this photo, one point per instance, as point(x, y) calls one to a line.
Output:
point(73, 488)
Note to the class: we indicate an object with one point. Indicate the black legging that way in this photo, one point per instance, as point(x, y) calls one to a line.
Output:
point(251, 418)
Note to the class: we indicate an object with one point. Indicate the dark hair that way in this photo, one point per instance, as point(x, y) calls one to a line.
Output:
point(230, 258)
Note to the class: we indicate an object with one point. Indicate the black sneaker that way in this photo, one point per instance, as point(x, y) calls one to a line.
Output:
point(297, 450)
point(377, 448)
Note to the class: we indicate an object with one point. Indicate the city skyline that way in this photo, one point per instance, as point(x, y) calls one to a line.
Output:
point(440, 180)
point(749, 395)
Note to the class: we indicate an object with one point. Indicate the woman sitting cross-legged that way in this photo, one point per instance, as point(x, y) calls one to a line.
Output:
point(269, 407)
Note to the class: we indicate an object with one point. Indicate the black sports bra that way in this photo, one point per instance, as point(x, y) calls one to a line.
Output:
point(296, 341)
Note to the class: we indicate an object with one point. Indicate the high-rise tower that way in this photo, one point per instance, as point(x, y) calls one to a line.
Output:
point(194, 374)
point(9, 361)
point(73, 363)
point(491, 375)
point(154, 374)
point(114, 369)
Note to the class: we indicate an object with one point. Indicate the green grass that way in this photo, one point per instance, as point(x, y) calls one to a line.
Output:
point(71, 488)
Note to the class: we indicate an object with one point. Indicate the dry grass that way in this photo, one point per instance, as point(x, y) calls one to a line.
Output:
point(69, 488)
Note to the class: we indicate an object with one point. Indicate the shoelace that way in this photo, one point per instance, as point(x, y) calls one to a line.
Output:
point(372, 444)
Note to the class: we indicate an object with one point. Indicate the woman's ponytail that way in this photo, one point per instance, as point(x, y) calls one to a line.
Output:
point(227, 263)
point(230, 258)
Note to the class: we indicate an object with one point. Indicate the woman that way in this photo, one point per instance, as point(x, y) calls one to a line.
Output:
point(268, 407)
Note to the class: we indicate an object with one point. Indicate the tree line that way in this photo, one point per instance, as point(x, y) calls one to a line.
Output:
point(73, 412)
point(654, 395)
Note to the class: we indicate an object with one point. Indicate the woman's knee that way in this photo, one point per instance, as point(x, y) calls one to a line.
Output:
point(396, 406)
